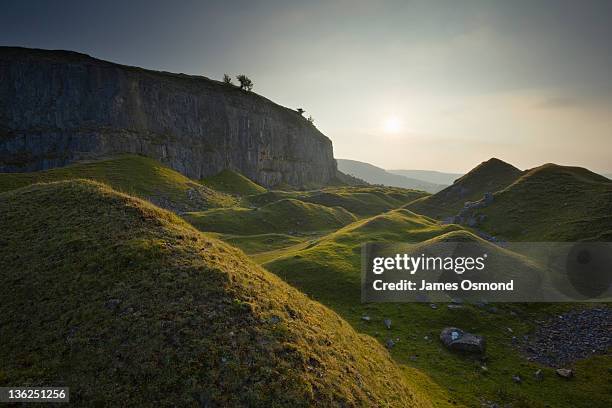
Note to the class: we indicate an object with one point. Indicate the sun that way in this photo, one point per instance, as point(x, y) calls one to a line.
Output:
point(392, 124)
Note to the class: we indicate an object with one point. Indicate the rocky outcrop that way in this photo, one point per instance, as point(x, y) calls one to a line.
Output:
point(457, 340)
point(57, 107)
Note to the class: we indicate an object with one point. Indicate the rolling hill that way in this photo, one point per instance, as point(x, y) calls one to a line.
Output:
point(130, 306)
point(431, 176)
point(136, 175)
point(488, 177)
point(359, 200)
point(412, 330)
point(552, 203)
point(376, 175)
point(229, 181)
point(283, 216)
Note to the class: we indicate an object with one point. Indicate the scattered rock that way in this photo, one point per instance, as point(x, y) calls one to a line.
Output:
point(538, 375)
point(387, 323)
point(454, 307)
point(390, 343)
point(433, 306)
point(365, 318)
point(517, 379)
point(457, 340)
point(574, 335)
point(275, 319)
point(565, 372)
point(112, 304)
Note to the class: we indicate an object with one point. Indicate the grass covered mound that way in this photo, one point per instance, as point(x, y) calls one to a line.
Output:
point(335, 260)
point(135, 175)
point(129, 306)
point(552, 203)
point(230, 182)
point(361, 201)
point(284, 216)
point(488, 177)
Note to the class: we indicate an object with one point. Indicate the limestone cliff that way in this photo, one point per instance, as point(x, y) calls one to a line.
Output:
point(57, 107)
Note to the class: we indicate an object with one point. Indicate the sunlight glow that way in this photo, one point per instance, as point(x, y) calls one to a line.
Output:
point(392, 124)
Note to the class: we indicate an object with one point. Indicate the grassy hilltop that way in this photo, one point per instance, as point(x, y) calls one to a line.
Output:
point(136, 175)
point(488, 177)
point(129, 305)
point(552, 203)
point(285, 215)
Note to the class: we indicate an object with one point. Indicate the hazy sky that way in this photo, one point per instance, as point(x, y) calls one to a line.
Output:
point(401, 84)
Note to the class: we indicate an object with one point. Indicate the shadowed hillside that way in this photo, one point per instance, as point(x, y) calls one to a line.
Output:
point(130, 306)
point(488, 177)
point(552, 203)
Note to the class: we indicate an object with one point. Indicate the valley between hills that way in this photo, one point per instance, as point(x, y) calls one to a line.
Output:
point(220, 291)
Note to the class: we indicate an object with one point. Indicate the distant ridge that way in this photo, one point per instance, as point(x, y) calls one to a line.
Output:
point(377, 175)
point(431, 176)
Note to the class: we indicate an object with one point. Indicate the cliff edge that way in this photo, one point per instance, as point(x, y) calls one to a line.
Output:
point(57, 107)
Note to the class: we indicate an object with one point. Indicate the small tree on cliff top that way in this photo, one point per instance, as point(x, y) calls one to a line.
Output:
point(227, 79)
point(245, 82)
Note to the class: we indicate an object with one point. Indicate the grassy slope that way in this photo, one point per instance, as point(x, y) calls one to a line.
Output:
point(284, 216)
point(231, 182)
point(490, 176)
point(135, 175)
point(252, 244)
point(553, 203)
point(128, 305)
point(361, 201)
point(328, 269)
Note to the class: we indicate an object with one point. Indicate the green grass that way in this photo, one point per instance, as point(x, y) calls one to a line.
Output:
point(129, 306)
point(253, 244)
point(284, 216)
point(328, 270)
point(552, 203)
point(361, 201)
point(488, 177)
point(230, 182)
point(135, 175)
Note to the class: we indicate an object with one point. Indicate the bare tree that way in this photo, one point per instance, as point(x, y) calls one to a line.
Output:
point(245, 82)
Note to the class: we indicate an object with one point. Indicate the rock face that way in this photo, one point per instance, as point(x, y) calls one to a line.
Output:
point(57, 107)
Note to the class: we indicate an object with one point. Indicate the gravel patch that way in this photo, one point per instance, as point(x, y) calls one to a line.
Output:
point(571, 336)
